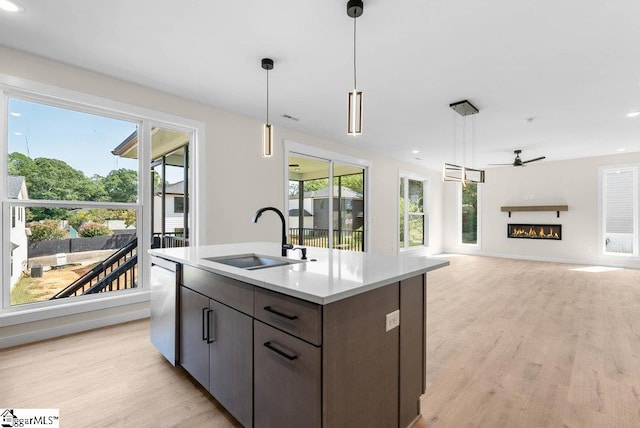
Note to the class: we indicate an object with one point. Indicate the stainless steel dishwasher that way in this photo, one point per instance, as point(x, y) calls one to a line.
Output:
point(165, 275)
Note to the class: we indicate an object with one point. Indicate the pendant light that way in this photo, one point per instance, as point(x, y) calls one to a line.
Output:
point(462, 173)
point(354, 116)
point(267, 129)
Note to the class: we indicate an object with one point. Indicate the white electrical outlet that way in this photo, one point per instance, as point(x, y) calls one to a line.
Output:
point(393, 320)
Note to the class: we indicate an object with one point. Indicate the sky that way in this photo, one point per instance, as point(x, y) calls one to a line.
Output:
point(84, 141)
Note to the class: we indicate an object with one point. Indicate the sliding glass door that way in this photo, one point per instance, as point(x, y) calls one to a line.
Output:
point(323, 214)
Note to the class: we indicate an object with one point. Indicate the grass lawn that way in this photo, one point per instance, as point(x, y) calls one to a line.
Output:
point(29, 289)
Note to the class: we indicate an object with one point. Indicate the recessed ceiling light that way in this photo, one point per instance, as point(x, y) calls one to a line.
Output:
point(633, 114)
point(10, 6)
point(622, 149)
point(15, 114)
point(415, 151)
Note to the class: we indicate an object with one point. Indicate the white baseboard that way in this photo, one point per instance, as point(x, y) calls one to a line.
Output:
point(622, 264)
point(62, 330)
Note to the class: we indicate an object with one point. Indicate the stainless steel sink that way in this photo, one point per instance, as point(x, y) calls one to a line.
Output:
point(251, 261)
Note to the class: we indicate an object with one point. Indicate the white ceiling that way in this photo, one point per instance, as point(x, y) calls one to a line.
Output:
point(572, 65)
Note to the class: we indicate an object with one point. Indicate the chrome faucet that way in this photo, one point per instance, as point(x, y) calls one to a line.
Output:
point(285, 246)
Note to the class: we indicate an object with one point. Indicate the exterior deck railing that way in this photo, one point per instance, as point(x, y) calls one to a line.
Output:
point(342, 239)
point(169, 240)
point(116, 272)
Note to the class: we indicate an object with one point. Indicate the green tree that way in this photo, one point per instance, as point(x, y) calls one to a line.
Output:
point(353, 182)
point(20, 164)
point(46, 230)
point(121, 185)
point(470, 213)
point(101, 215)
point(91, 229)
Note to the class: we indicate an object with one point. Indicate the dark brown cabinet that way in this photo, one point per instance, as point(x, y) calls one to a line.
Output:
point(273, 360)
point(216, 349)
point(194, 349)
point(287, 379)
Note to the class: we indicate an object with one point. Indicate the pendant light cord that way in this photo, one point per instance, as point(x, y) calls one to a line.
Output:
point(355, 85)
point(267, 97)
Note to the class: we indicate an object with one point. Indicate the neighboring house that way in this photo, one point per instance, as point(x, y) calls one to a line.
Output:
point(294, 215)
point(316, 212)
point(174, 209)
point(18, 236)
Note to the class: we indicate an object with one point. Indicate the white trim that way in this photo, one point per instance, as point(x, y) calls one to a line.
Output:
point(607, 263)
point(30, 313)
point(59, 96)
point(602, 253)
point(333, 157)
point(77, 327)
point(426, 183)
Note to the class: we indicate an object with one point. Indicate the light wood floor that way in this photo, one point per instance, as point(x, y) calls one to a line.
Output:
point(532, 344)
point(509, 344)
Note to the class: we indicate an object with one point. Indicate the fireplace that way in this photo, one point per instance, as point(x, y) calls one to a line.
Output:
point(535, 231)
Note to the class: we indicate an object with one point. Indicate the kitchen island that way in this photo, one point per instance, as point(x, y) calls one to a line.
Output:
point(335, 340)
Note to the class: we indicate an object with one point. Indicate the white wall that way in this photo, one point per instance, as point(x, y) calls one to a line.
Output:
point(573, 183)
point(233, 180)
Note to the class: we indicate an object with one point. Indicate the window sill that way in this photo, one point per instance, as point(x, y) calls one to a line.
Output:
point(24, 314)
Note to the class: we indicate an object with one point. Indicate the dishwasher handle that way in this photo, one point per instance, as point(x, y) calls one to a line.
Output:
point(165, 264)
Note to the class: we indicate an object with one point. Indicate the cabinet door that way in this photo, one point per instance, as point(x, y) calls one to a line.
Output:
point(231, 361)
point(287, 380)
point(194, 349)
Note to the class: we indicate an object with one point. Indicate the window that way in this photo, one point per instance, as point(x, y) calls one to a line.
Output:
point(469, 218)
point(80, 201)
point(72, 194)
point(321, 214)
point(412, 213)
point(620, 211)
point(178, 204)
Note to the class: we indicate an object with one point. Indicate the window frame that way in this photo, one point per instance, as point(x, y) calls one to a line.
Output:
point(602, 217)
point(404, 178)
point(68, 99)
point(332, 158)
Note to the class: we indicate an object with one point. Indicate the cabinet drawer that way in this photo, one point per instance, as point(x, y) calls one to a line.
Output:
point(298, 317)
point(287, 379)
point(233, 293)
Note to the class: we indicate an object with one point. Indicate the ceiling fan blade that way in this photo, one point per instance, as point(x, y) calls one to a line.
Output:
point(534, 160)
point(500, 164)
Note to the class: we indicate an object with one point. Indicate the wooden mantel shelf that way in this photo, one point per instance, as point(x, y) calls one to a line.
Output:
point(556, 208)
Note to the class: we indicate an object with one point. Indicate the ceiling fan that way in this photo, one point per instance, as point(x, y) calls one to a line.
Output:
point(519, 162)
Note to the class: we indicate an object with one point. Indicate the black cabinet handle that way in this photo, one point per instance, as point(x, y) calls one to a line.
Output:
point(209, 329)
point(279, 352)
point(205, 326)
point(273, 311)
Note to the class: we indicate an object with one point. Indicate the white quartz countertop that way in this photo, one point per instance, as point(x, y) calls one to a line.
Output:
point(334, 275)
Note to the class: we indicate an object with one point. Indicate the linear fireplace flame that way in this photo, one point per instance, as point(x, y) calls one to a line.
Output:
point(535, 231)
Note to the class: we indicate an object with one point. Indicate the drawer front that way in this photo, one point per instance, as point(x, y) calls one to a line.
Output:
point(287, 380)
point(233, 293)
point(301, 318)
